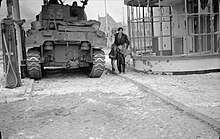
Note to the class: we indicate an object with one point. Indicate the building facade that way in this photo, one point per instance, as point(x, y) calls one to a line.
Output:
point(178, 31)
point(110, 27)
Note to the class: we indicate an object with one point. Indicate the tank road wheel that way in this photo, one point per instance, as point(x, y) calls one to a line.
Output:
point(98, 66)
point(34, 67)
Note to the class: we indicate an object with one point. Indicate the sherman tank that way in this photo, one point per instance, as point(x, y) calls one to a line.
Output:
point(62, 37)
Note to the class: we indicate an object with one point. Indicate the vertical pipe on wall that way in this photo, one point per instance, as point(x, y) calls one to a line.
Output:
point(144, 27)
point(161, 29)
point(212, 27)
point(193, 29)
point(123, 20)
point(187, 28)
point(137, 31)
point(16, 16)
point(140, 29)
point(218, 48)
point(149, 26)
point(206, 31)
point(173, 33)
point(129, 24)
point(199, 21)
point(171, 30)
point(133, 29)
point(152, 27)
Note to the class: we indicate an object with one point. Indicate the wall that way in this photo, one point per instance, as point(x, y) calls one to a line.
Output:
point(112, 26)
point(179, 28)
point(177, 64)
point(111, 23)
point(167, 46)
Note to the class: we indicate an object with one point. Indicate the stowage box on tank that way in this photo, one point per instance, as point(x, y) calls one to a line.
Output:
point(61, 36)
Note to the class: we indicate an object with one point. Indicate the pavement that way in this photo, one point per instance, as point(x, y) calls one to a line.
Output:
point(109, 107)
point(198, 99)
point(69, 105)
point(197, 94)
point(17, 94)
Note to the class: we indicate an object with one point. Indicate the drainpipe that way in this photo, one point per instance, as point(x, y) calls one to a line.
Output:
point(161, 30)
point(218, 50)
point(129, 24)
point(212, 28)
point(16, 16)
point(199, 18)
point(187, 28)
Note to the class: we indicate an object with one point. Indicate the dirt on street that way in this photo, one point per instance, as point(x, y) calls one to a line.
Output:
point(68, 105)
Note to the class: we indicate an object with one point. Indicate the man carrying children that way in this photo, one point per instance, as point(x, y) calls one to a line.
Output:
point(118, 50)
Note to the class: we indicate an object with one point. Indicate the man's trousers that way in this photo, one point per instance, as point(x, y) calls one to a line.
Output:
point(121, 62)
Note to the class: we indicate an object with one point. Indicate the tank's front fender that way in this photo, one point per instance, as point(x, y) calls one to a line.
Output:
point(37, 38)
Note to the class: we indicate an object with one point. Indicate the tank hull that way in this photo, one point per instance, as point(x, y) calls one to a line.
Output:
point(61, 37)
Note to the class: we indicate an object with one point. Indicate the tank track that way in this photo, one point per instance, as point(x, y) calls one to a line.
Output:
point(34, 68)
point(98, 65)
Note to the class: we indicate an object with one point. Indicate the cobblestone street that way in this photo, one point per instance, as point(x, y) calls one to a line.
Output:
point(69, 105)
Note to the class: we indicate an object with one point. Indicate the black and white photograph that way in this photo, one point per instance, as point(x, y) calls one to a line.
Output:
point(109, 69)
